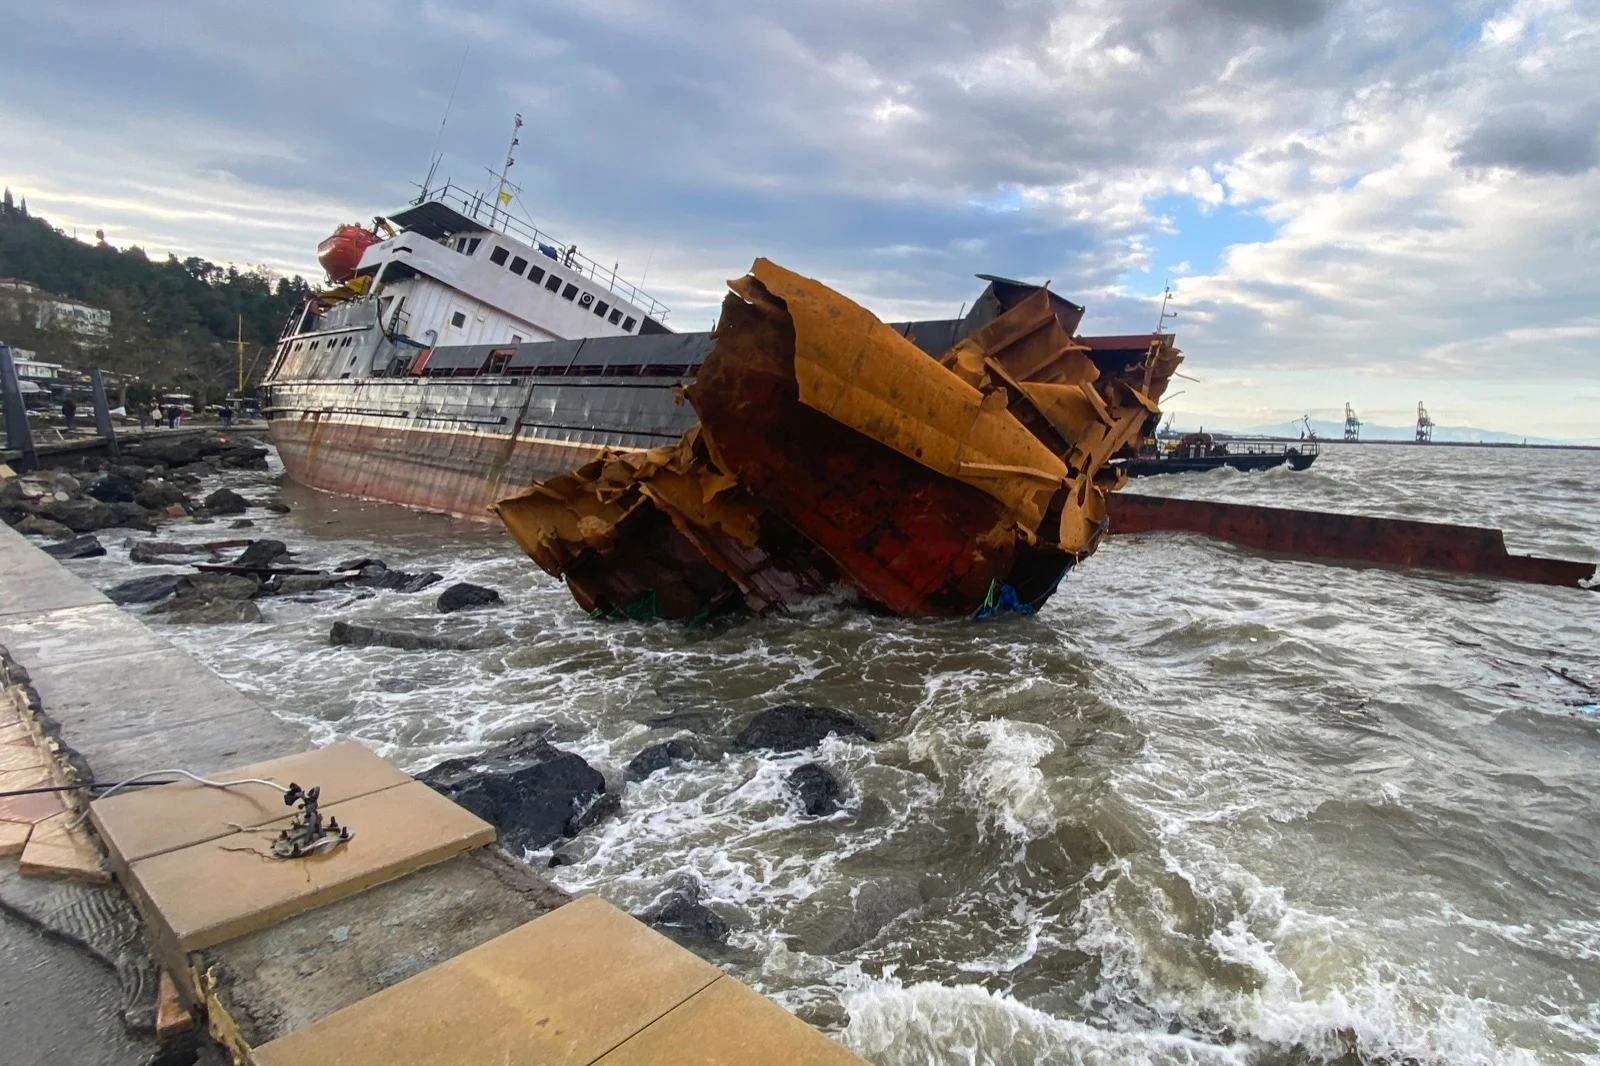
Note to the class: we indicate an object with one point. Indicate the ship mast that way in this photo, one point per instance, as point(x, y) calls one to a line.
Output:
point(1161, 319)
point(501, 196)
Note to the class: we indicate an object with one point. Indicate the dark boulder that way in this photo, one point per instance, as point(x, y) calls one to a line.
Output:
point(301, 584)
point(816, 788)
point(225, 501)
point(42, 527)
point(84, 547)
point(692, 721)
point(678, 906)
point(161, 552)
point(132, 516)
point(532, 793)
point(375, 574)
point(80, 516)
point(241, 523)
point(145, 589)
point(264, 555)
point(157, 495)
point(211, 599)
point(112, 488)
point(414, 634)
point(463, 596)
point(795, 727)
point(170, 453)
point(241, 457)
point(659, 757)
point(277, 507)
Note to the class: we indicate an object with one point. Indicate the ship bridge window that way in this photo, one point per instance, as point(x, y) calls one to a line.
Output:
point(601, 307)
point(554, 284)
point(472, 245)
point(458, 320)
point(499, 256)
point(518, 265)
point(536, 274)
point(627, 324)
point(569, 292)
point(616, 316)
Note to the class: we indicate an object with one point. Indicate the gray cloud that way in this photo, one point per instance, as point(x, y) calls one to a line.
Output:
point(1534, 141)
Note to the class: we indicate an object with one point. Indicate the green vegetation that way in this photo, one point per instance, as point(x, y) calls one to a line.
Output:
point(173, 323)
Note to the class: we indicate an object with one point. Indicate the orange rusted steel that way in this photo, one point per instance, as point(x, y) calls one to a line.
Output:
point(832, 450)
point(1345, 537)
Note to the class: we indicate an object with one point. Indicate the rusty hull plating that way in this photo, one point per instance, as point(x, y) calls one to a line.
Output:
point(832, 450)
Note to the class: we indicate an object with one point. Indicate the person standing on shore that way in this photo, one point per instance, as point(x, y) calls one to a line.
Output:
point(226, 414)
point(69, 408)
point(143, 412)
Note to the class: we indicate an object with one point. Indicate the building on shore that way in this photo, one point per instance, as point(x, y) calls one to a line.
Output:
point(88, 325)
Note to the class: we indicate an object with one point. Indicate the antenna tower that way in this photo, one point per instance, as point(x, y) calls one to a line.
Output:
point(1424, 424)
point(501, 195)
point(1352, 424)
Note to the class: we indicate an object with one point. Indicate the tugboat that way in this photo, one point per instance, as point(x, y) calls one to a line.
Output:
point(1201, 451)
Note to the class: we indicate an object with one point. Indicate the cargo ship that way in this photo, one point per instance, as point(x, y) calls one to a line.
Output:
point(458, 354)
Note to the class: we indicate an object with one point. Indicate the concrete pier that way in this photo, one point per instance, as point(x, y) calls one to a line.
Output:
point(417, 942)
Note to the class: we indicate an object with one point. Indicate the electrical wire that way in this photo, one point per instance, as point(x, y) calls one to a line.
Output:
point(182, 773)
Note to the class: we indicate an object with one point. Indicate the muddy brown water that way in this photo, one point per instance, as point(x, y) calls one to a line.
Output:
point(1207, 807)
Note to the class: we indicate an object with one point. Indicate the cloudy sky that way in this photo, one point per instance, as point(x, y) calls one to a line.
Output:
point(1365, 200)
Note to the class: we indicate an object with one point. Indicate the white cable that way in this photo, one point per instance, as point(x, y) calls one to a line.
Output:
point(184, 773)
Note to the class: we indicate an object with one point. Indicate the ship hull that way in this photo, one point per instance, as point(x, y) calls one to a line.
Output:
point(456, 448)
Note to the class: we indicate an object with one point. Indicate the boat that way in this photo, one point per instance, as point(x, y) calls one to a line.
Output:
point(458, 354)
point(1192, 452)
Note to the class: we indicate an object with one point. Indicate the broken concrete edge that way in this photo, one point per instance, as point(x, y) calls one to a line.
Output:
point(67, 764)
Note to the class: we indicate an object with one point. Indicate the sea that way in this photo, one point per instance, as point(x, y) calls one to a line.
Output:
point(1208, 806)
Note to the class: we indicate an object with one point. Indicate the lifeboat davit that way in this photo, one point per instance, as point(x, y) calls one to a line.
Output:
point(341, 253)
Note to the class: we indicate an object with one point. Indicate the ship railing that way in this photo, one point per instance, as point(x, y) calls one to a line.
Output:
point(486, 211)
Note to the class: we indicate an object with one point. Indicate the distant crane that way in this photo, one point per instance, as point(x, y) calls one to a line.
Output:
point(1352, 424)
point(1424, 424)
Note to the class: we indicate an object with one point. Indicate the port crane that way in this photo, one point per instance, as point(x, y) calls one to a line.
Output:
point(1352, 424)
point(1424, 424)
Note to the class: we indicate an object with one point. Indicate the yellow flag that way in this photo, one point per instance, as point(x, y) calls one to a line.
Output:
point(504, 197)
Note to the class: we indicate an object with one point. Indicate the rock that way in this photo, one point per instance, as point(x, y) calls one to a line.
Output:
point(131, 516)
point(299, 584)
point(678, 906)
point(159, 552)
point(210, 599)
point(157, 494)
point(225, 501)
point(80, 516)
point(207, 612)
point(85, 547)
point(794, 727)
point(277, 507)
point(659, 757)
point(816, 788)
point(464, 596)
point(264, 554)
point(66, 483)
point(414, 634)
point(534, 794)
point(175, 510)
point(171, 453)
point(145, 589)
point(375, 574)
point(242, 457)
point(42, 527)
point(112, 488)
point(241, 523)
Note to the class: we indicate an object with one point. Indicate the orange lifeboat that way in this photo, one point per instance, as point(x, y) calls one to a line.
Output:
point(341, 253)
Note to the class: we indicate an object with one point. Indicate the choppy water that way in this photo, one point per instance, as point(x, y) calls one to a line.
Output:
point(1207, 807)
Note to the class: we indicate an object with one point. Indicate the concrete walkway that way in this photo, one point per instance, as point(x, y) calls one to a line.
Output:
point(413, 943)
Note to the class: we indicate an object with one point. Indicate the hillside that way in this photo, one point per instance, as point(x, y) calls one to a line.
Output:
point(173, 321)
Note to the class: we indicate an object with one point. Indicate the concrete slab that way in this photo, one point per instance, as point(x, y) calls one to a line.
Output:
point(21, 757)
point(31, 581)
point(729, 1024)
point(57, 848)
point(560, 991)
point(31, 809)
point(13, 835)
point(76, 634)
point(209, 893)
point(111, 710)
point(276, 980)
point(136, 825)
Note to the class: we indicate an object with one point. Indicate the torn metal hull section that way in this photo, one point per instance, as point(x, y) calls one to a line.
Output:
point(1345, 537)
point(832, 450)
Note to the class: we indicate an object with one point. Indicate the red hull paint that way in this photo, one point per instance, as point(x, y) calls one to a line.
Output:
point(453, 471)
point(1349, 537)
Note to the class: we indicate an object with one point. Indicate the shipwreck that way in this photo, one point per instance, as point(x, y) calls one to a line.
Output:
point(833, 449)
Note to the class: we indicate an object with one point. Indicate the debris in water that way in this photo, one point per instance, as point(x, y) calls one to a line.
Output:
point(832, 450)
